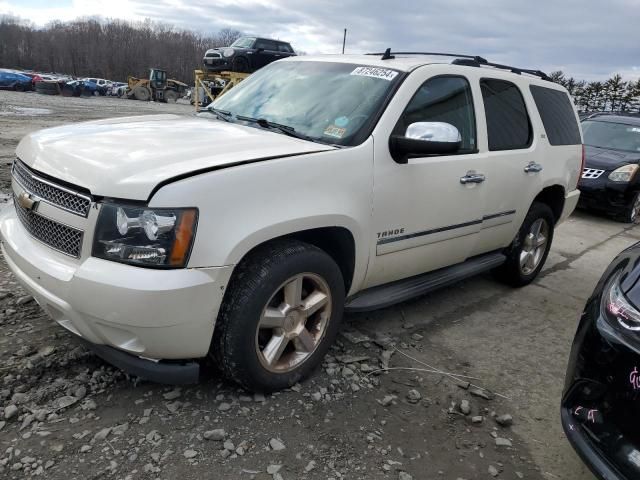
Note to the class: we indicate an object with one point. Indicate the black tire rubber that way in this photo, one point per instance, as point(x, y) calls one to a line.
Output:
point(510, 272)
point(171, 96)
point(18, 87)
point(253, 283)
point(627, 215)
point(240, 65)
point(142, 93)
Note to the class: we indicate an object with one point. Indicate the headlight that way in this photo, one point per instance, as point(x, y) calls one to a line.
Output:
point(623, 174)
point(228, 52)
point(152, 237)
point(618, 307)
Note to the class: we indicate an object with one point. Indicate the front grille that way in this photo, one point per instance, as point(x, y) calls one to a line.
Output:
point(57, 195)
point(591, 173)
point(65, 239)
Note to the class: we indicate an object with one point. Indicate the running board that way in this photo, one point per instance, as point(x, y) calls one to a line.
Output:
point(402, 290)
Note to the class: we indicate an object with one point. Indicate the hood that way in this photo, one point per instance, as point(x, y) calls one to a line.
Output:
point(127, 157)
point(607, 159)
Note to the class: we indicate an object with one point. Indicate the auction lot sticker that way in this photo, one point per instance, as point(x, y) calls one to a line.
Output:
point(375, 72)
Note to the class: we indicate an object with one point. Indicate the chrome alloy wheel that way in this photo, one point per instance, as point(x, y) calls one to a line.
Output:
point(534, 246)
point(293, 323)
point(635, 210)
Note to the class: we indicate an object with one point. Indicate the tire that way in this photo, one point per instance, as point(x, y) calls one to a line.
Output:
point(240, 65)
point(142, 93)
point(524, 249)
point(18, 87)
point(242, 333)
point(170, 96)
point(631, 214)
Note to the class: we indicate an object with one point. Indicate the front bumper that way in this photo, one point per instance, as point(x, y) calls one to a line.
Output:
point(148, 313)
point(216, 64)
point(605, 195)
point(601, 406)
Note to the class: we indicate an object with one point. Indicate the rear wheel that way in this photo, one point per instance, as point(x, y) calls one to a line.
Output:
point(529, 250)
point(280, 314)
point(142, 93)
point(170, 96)
point(18, 87)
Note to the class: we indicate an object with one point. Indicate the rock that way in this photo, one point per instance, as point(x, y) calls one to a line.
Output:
point(505, 420)
point(347, 372)
point(190, 454)
point(503, 442)
point(465, 408)
point(216, 435)
point(102, 434)
point(519, 475)
point(316, 396)
point(351, 358)
point(385, 358)
point(229, 445)
point(276, 444)
point(417, 337)
point(310, 466)
point(387, 400)
point(273, 469)
point(173, 407)
point(173, 394)
point(10, 411)
point(404, 476)
point(23, 300)
point(64, 402)
point(80, 392)
point(153, 437)
point(480, 392)
point(224, 406)
point(354, 336)
point(477, 419)
point(493, 471)
point(85, 448)
point(413, 396)
point(258, 397)
point(120, 429)
point(46, 350)
point(355, 387)
point(89, 404)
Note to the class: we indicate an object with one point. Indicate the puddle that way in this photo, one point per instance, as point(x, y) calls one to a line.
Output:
point(25, 111)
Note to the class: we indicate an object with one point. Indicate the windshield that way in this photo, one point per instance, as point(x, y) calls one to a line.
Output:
point(328, 102)
point(618, 136)
point(243, 42)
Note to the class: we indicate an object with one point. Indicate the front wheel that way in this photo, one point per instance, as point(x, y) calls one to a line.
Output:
point(528, 251)
point(631, 214)
point(279, 317)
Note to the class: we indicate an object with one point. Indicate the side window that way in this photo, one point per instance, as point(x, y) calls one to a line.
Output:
point(266, 44)
point(508, 124)
point(443, 99)
point(283, 47)
point(557, 115)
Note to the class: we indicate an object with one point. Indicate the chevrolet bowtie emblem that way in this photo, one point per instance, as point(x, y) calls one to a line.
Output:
point(26, 201)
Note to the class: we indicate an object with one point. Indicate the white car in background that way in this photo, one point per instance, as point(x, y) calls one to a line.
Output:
point(319, 183)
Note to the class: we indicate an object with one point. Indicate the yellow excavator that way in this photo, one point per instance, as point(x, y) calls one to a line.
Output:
point(157, 87)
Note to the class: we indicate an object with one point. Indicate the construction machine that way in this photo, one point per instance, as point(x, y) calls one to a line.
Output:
point(157, 87)
point(210, 85)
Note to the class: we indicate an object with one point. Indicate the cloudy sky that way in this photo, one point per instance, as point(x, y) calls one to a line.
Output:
point(588, 39)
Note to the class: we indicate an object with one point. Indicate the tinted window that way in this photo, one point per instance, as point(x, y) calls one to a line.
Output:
point(266, 44)
point(617, 136)
point(443, 99)
point(508, 125)
point(284, 47)
point(557, 115)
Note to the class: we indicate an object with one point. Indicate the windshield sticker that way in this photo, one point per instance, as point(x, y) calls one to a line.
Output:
point(383, 73)
point(333, 131)
point(341, 122)
point(634, 129)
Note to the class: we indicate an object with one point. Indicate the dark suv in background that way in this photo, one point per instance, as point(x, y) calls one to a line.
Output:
point(610, 181)
point(246, 54)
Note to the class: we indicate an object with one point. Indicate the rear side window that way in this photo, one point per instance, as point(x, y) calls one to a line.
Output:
point(284, 47)
point(443, 99)
point(266, 44)
point(557, 115)
point(508, 125)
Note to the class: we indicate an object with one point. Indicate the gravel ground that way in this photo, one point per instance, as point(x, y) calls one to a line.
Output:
point(66, 414)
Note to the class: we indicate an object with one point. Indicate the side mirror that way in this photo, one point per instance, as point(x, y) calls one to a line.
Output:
point(259, 49)
point(425, 138)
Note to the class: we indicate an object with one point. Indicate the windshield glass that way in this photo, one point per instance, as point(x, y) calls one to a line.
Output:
point(243, 42)
point(618, 136)
point(329, 102)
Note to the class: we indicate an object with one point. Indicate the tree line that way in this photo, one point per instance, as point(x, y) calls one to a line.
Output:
point(612, 95)
point(111, 49)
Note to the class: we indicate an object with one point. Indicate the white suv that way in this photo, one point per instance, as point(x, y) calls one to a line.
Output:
point(318, 184)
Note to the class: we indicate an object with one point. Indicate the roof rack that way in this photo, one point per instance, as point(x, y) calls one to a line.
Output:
point(466, 60)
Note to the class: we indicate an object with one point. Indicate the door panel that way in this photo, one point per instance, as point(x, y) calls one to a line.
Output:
point(424, 217)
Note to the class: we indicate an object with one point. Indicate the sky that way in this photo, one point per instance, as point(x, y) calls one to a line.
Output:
point(587, 39)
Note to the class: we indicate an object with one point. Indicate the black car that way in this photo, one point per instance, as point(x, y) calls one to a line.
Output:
point(610, 181)
point(601, 402)
point(246, 54)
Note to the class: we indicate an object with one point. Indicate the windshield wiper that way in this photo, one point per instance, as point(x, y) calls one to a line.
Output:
point(286, 129)
point(221, 114)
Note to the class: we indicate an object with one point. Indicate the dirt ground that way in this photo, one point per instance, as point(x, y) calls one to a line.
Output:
point(65, 414)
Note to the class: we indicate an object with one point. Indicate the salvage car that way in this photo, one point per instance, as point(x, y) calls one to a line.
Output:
point(246, 54)
point(610, 182)
point(344, 181)
point(15, 81)
point(600, 407)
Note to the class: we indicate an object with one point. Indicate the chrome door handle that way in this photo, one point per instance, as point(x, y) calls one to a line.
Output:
point(472, 177)
point(533, 167)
